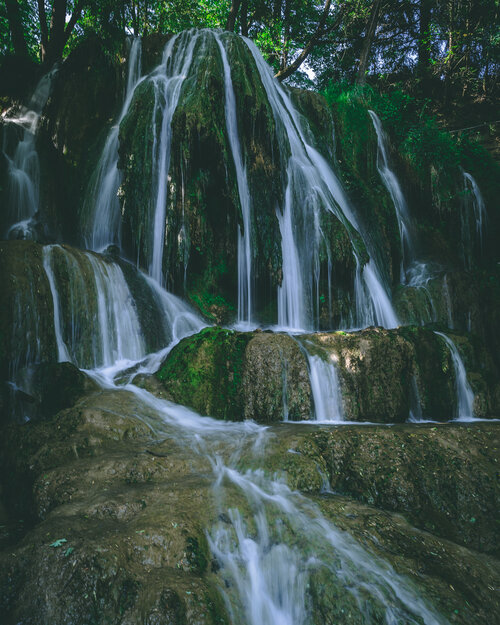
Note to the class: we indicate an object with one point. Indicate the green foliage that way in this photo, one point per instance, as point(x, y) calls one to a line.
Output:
point(415, 132)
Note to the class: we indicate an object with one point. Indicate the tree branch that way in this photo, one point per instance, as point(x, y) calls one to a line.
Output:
point(43, 24)
point(288, 71)
point(73, 20)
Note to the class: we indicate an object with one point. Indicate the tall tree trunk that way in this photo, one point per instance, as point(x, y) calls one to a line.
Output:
point(367, 43)
point(16, 28)
point(53, 42)
point(424, 51)
point(244, 18)
point(44, 40)
point(450, 61)
point(231, 18)
point(56, 36)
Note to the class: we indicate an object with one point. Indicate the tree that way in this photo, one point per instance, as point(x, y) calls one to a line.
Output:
point(367, 42)
point(55, 37)
point(16, 27)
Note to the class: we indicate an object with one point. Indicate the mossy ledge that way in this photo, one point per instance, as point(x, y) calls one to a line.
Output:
point(264, 376)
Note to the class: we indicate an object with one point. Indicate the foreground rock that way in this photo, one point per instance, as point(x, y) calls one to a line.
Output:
point(384, 374)
point(107, 515)
point(443, 478)
point(106, 523)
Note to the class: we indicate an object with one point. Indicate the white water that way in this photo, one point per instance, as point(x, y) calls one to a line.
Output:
point(102, 201)
point(115, 321)
point(478, 207)
point(465, 394)
point(23, 194)
point(391, 183)
point(311, 186)
point(244, 238)
point(177, 318)
point(270, 547)
point(167, 81)
point(326, 391)
point(62, 350)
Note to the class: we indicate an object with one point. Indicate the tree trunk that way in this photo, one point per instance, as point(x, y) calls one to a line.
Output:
point(424, 51)
point(56, 36)
point(53, 42)
point(231, 18)
point(367, 43)
point(244, 18)
point(16, 28)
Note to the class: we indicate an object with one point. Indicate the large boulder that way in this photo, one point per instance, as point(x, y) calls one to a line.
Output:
point(384, 374)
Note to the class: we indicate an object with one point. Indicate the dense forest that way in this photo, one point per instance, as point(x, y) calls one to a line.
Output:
point(249, 347)
point(447, 51)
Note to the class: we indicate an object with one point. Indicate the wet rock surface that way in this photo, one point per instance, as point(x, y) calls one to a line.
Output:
point(264, 376)
point(104, 514)
point(113, 521)
point(443, 478)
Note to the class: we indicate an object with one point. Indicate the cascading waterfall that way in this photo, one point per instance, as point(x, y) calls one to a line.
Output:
point(113, 313)
point(465, 394)
point(325, 388)
point(475, 200)
point(167, 81)
point(271, 549)
point(23, 195)
point(311, 184)
point(96, 320)
point(391, 183)
point(245, 286)
point(102, 201)
point(269, 552)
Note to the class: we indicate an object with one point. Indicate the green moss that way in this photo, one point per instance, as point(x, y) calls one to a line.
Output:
point(205, 372)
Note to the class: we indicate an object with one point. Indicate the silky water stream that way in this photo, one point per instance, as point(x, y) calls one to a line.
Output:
point(269, 541)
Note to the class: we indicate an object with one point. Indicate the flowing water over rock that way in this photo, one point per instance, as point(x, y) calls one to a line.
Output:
point(312, 186)
point(474, 211)
point(245, 286)
point(102, 201)
point(465, 395)
point(23, 166)
point(277, 558)
point(391, 183)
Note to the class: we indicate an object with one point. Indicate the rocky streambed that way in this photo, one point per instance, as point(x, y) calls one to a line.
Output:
point(108, 509)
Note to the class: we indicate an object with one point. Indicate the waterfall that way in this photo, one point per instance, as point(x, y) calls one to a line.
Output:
point(269, 549)
point(23, 192)
point(311, 185)
point(268, 570)
point(475, 200)
point(62, 350)
point(465, 394)
point(107, 306)
point(167, 81)
point(325, 388)
point(415, 402)
point(102, 201)
point(177, 318)
point(244, 238)
point(391, 183)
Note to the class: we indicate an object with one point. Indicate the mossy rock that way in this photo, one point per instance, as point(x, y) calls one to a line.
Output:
point(443, 478)
point(86, 96)
point(384, 374)
point(111, 515)
point(205, 372)
point(26, 316)
point(275, 382)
